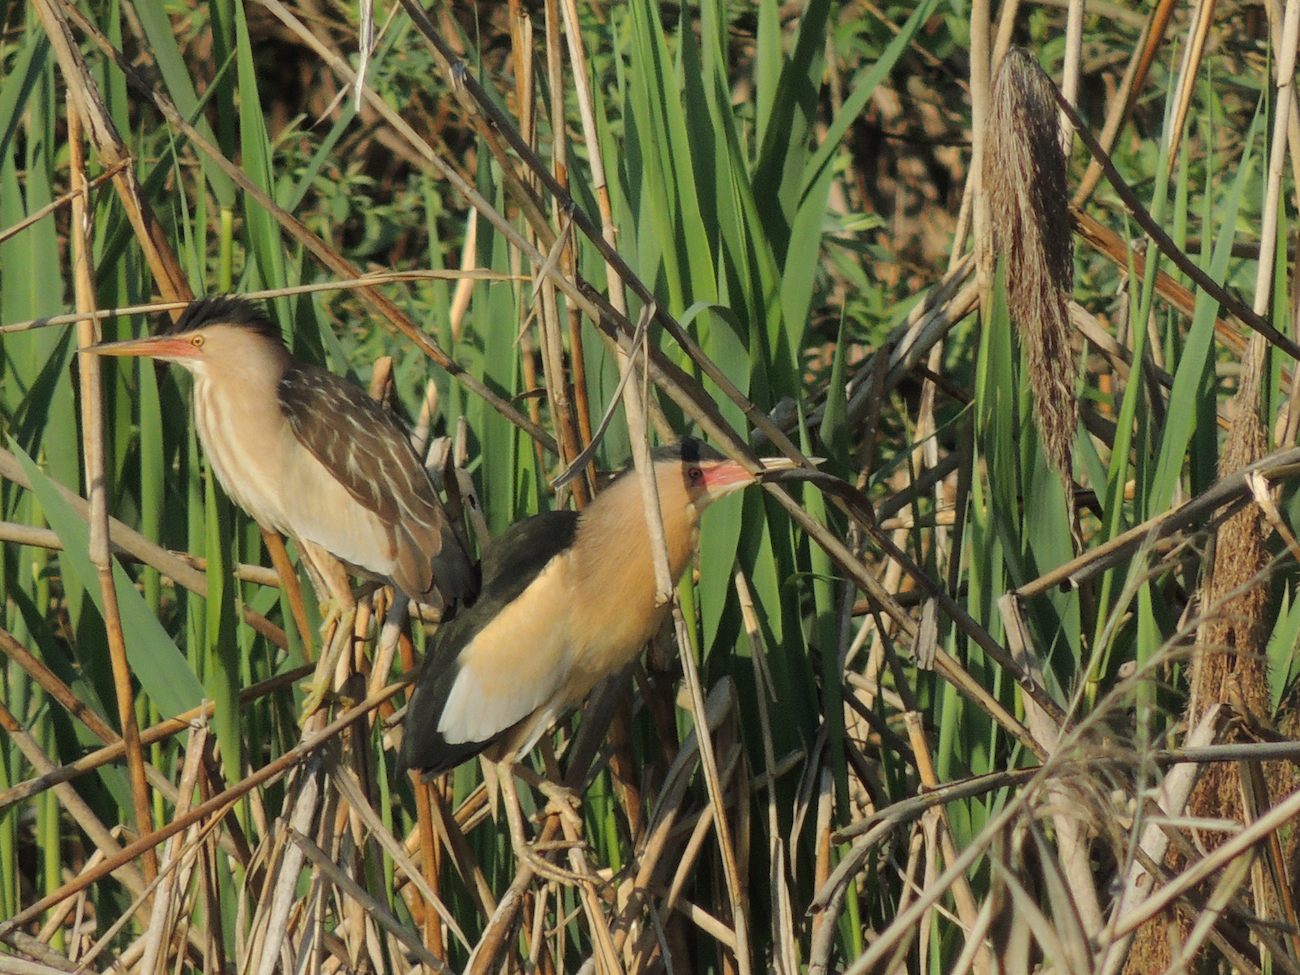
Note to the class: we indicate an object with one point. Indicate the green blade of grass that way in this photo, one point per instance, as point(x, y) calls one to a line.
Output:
point(155, 659)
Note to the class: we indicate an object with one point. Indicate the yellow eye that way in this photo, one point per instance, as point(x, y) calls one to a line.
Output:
point(196, 341)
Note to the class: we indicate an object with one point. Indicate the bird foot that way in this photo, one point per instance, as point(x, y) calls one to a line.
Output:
point(314, 701)
point(319, 693)
point(532, 853)
point(333, 612)
point(340, 620)
point(320, 696)
point(562, 801)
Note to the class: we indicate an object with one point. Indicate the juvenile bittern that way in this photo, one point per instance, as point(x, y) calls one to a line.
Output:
point(309, 454)
point(567, 600)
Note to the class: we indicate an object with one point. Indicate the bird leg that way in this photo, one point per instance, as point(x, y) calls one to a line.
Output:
point(339, 608)
point(563, 801)
point(338, 641)
point(330, 580)
point(389, 635)
point(525, 850)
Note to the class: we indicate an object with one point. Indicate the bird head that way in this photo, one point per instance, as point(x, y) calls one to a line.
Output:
point(703, 474)
point(218, 333)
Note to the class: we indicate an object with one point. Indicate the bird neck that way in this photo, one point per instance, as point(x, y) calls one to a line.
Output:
point(238, 419)
point(615, 542)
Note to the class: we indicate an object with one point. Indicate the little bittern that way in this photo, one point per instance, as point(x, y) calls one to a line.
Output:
point(309, 454)
point(567, 600)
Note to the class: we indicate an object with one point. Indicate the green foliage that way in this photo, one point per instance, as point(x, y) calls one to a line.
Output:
point(778, 183)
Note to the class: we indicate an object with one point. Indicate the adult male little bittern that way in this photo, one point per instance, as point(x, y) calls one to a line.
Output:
point(309, 454)
point(567, 600)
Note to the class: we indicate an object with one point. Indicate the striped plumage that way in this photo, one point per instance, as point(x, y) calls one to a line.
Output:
point(567, 600)
point(309, 454)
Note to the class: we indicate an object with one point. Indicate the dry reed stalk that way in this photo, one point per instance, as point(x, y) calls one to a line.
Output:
point(123, 870)
point(289, 583)
point(451, 831)
point(168, 563)
point(980, 60)
point(736, 888)
point(1188, 72)
point(361, 898)
point(49, 682)
point(35, 216)
point(430, 852)
point(577, 414)
point(115, 749)
point(866, 581)
point(945, 850)
point(271, 921)
point(927, 454)
point(558, 384)
point(1229, 663)
point(328, 256)
point(464, 290)
point(370, 278)
point(218, 806)
point(1240, 845)
point(111, 150)
point(80, 813)
point(1196, 513)
point(661, 845)
point(946, 303)
point(684, 390)
point(185, 937)
point(430, 862)
point(503, 918)
point(92, 424)
point(1073, 67)
point(916, 872)
point(1126, 96)
point(785, 950)
point(1033, 803)
point(1119, 360)
point(981, 74)
point(165, 916)
point(522, 63)
point(1169, 800)
point(1029, 225)
point(1110, 245)
point(349, 786)
point(1276, 25)
point(701, 823)
point(1073, 848)
point(1231, 303)
point(590, 896)
point(502, 921)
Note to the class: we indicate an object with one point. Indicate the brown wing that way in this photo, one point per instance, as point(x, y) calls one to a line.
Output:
point(367, 451)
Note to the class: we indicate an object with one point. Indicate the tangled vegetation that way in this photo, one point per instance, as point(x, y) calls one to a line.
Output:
point(1007, 686)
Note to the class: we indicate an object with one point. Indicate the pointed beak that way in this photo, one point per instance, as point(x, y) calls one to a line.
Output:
point(169, 347)
point(726, 476)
